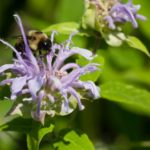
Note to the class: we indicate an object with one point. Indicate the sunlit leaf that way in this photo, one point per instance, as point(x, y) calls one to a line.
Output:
point(134, 42)
point(73, 141)
point(137, 100)
point(144, 25)
point(65, 28)
point(114, 39)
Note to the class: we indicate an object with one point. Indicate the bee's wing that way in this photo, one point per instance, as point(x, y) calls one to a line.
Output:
point(20, 37)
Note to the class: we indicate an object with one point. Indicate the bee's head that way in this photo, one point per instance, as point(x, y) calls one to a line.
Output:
point(44, 44)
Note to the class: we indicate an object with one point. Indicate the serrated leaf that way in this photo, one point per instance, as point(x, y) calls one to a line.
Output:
point(137, 100)
point(43, 131)
point(35, 136)
point(73, 141)
point(93, 76)
point(134, 42)
point(65, 28)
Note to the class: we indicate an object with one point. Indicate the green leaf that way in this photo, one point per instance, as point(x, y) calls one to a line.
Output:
point(5, 105)
point(73, 141)
point(35, 136)
point(93, 76)
point(88, 19)
point(18, 124)
point(134, 42)
point(63, 28)
point(35, 130)
point(66, 28)
point(137, 100)
point(144, 10)
point(114, 39)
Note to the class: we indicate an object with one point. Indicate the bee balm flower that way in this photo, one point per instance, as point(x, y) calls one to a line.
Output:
point(121, 13)
point(110, 14)
point(49, 85)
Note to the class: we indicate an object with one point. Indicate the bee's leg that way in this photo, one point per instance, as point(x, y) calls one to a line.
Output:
point(34, 54)
point(46, 53)
point(41, 55)
point(40, 52)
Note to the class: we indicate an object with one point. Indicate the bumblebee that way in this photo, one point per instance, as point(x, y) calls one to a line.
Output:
point(38, 42)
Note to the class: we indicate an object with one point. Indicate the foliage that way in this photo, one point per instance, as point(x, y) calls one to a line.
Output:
point(74, 141)
point(119, 119)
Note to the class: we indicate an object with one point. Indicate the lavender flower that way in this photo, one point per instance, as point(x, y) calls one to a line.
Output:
point(50, 86)
point(121, 13)
point(110, 13)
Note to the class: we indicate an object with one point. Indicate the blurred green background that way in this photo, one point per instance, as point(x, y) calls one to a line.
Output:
point(109, 125)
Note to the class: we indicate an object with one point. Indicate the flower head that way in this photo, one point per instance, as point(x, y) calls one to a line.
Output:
point(50, 85)
point(121, 13)
point(111, 13)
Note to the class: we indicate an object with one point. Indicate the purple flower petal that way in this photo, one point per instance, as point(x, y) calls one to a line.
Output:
point(141, 17)
point(110, 21)
point(18, 84)
point(27, 48)
point(6, 67)
point(17, 53)
point(75, 94)
point(40, 97)
point(75, 74)
point(38, 115)
point(55, 83)
point(19, 22)
point(49, 58)
point(69, 41)
point(83, 52)
point(34, 86)
point(51, 98)
point(121, 13)
point(63, 55)
point(25, 91)
point(69, 66)
point(6, 81)
point(90, 86)
point(66, 101)
point(52, 36)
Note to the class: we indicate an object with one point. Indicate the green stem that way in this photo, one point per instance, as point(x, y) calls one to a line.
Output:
point(97, 42)
point(32, 143)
